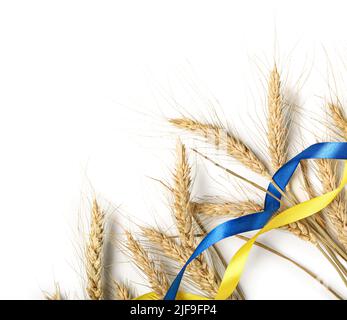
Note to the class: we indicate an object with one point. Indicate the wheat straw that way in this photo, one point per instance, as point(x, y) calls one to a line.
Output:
point(155, 275)
point(94, 253)
point(220, 138)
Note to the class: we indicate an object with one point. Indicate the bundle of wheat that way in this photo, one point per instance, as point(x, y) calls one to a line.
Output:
point(326, 230)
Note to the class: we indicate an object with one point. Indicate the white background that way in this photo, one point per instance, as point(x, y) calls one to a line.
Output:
point(85, 90)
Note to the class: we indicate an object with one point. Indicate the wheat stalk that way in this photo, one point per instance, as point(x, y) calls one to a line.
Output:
point(122, 292)
point(221, 138)
point(155, 275)
point(198, 270)
point(233, 209)
point(94, 253)
point(306, 180)
point(336, 211)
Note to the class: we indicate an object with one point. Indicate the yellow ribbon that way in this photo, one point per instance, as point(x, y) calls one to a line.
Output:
point(236, 266)
point(180, 296)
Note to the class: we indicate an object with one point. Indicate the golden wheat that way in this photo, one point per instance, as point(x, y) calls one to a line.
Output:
point(232, 209)
point(181, 193)
point(122, 292)
point(56, 295)
point(198, 270)
point(155, 275)
point(221, 138)
point(277, 126)
point(339, 118)
point(94, 253)
point(337, 210)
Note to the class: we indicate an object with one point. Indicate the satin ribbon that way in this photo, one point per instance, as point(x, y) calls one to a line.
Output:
point(325, 150)
point(303, 210)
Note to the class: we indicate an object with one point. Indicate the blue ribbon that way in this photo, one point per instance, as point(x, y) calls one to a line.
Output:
point(255, 221)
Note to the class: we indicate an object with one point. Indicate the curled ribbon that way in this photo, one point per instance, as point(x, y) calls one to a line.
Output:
point(261, 220)
point(303, 210)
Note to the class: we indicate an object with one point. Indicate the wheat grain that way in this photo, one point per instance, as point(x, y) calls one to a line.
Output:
point(155, 275)
point(221, 138)
point(94, 253)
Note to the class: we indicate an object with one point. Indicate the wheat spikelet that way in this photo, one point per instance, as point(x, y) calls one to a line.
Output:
point(301, 230)
point(277, 132)
point(94, 253)
point(220, 138)
point(181, 193)
point(233, 209)
point(56, 295)
point(198, 270)
point(122, 292)
point(339, 118)
point(337, 209)
point(155, 275)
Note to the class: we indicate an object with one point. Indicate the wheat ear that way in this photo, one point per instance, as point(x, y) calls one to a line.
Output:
point(94, 253)
point(155, 275)
point(183, 211)
point(220, 138)
point(277, 138)
point(122, 292)
point(181, 193)
point(198, 270)
point(337, 209)
point(339, 118)
point(232, 209)
point(301, 230)
point(277, 126)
